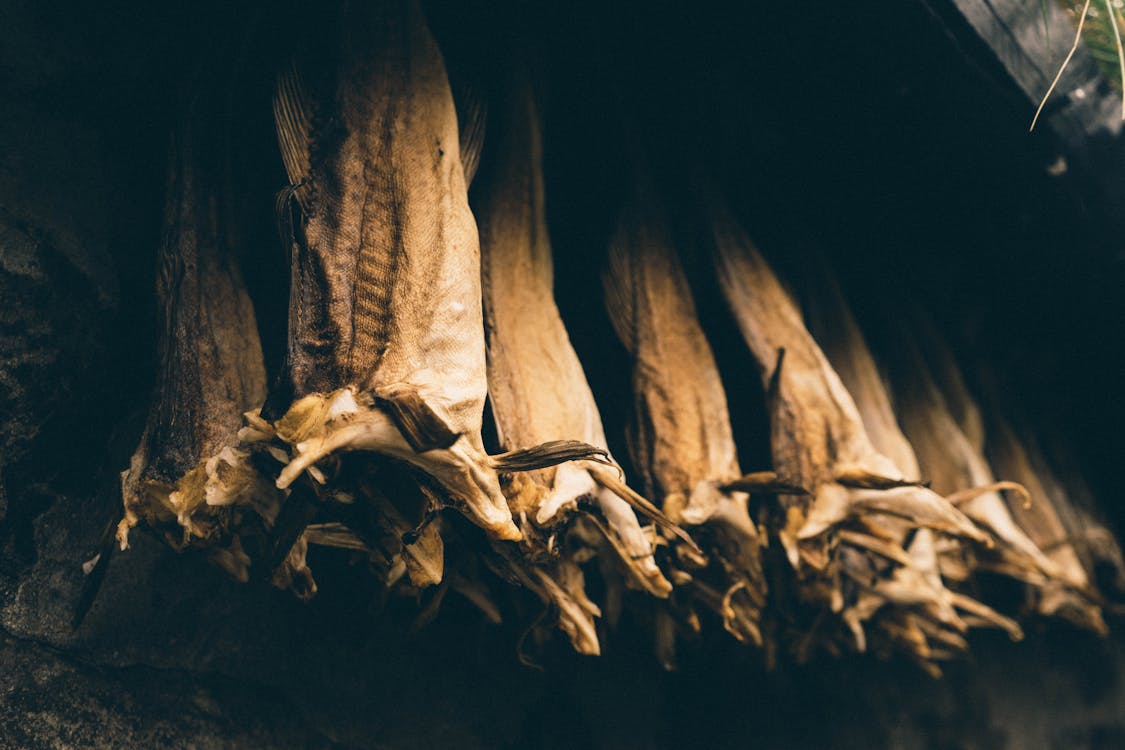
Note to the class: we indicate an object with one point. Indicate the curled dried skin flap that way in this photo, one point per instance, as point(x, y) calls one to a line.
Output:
point(916, 585)
point(680, 432)
point(561, 586)
point(346, 421)
point(537, 386)
point(385, 289)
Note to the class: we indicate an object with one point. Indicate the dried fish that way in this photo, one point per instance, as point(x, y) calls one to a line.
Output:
point(832, 323)
point(819, 441)
point(1087, 531)
point(184, 479)
point(537, 386)
point(1015, 457)
point(951, 462)
point(403, 319)
point(386, 347)
point(1071, 594)
point(680, 432)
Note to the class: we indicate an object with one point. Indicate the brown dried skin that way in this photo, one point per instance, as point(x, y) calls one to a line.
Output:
point(820, 441)
point(1071, 595)
point(835, 329)
point(817, 435)
point(1097, 547)
point(386, 337)
point(680, 434)
point(183, 480)
point(951, 463)
point(537, 386)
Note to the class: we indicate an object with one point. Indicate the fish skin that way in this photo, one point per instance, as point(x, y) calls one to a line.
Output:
point(537, 384)
point(388, 245)
point(680, 432)
point(824, 440)
point(385, 286)
point(211, 365)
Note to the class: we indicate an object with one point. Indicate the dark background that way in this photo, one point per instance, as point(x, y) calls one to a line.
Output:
point(880, 134)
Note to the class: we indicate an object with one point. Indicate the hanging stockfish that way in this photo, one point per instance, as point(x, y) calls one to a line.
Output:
point(1071, 595)
point(184, 480)
point(819, 442)
point(680, 434)
point(926, 618)
point(951, 462)
point(538, 389)
point(1088, 532)
point(386, 350)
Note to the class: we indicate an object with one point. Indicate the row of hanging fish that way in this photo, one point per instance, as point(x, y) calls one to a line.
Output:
point(888, 496)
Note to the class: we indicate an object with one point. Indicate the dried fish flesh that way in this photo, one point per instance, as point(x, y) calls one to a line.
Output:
point(537, 386)
point(386, 347)
point(680, 432)
point(819, 441)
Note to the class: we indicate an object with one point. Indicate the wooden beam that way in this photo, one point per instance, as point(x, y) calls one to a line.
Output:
point(1030, 40)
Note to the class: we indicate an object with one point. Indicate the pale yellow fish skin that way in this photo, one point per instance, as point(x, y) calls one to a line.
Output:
point(815, 425)
point(951, 462)
point(386, 290)
point(386, 222)
point(834, 432)
point(538, 388)
point(832, 324)
point(680, 433)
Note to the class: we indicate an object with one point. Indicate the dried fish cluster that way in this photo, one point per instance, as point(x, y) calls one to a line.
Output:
point(871, 527)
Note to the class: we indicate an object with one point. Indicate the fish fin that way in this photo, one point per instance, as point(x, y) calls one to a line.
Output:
point(292, 113)
point(422, 426)
point(547, 454)
point(472, 119)
point(859, 478)
point(763, 483)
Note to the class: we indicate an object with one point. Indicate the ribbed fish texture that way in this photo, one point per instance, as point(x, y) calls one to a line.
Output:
point(388, 288)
